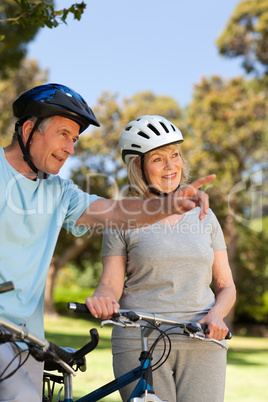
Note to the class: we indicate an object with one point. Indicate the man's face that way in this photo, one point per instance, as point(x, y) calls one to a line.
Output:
point(49, 150)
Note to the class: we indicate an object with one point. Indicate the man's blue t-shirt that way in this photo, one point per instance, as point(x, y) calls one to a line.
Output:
point(32, 214)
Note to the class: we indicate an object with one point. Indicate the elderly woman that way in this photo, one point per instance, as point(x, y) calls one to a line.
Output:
point(167, 268)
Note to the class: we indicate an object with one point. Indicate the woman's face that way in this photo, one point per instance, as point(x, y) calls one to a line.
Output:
point(163, 168)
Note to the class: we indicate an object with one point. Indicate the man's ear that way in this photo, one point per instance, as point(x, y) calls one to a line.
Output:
point(26, 130)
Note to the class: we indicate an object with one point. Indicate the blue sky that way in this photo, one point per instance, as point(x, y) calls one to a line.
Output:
point(128, 46)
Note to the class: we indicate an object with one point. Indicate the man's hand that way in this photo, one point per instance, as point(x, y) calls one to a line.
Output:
point(189, 197)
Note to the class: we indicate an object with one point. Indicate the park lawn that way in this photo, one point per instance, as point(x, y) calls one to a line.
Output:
point(247, 368)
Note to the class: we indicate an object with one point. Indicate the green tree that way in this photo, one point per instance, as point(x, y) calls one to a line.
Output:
point(252, 276)
point(25, 77)
point(42, 12)
point(246, 36)
point(19, 23)
point(16, 38)
point(228, 125)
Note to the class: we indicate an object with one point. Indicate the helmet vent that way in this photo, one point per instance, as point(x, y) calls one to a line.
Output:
point(75, 102)
point(153, 129)
point(164, 127)
point(128, 128)
point(142, 134)
point(173, 128)
point(135, 146)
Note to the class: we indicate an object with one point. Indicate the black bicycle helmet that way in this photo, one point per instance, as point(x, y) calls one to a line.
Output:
point(54, 100)
point(46, 101)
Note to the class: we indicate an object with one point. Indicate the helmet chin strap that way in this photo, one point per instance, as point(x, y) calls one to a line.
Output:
point(26, 149)
point(152, 189)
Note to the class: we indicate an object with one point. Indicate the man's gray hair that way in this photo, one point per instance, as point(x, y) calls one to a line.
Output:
point(42, 126)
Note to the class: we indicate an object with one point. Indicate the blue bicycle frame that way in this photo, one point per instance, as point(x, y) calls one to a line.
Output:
point(138, 373)
point(142, 372)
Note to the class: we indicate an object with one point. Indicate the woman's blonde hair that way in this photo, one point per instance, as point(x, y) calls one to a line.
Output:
point(137, 187)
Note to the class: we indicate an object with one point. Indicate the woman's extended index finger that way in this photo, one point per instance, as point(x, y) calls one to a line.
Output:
point(203, 180)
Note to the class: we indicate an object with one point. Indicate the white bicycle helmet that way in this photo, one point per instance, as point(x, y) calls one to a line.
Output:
point(145, 134)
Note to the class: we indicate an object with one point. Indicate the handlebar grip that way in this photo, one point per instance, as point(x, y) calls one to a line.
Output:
point(61, 353)
point(229, 335)
point(89, 346)
point(205, 329)
point(77, 307)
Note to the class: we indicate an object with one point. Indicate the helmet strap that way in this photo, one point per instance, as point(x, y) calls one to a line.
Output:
point(26, 149)
point(152, 189)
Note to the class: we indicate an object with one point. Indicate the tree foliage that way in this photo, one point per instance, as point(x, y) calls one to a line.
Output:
point(19, 23)
point(16, 37)
point(19, 81)
point(246, 36)
point(228, 126)
point(252, 276)
point(43, 13)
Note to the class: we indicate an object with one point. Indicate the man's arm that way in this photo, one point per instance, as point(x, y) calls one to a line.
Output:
point(130, 213)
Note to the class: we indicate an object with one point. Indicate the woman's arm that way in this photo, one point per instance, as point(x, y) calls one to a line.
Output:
point(103, 303)
point(225, 296)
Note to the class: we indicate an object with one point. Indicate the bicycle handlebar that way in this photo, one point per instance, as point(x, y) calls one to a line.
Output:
point(6, 287)
point(78, 307)
point(38, 347)
point(134, 316)
point(41, 348)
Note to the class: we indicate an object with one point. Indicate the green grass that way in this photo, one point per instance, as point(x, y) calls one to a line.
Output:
point(247, 369)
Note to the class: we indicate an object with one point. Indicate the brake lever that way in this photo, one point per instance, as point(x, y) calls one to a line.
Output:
point(106, 322)
point(122, 324)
